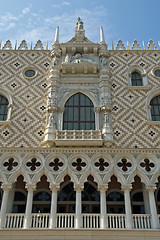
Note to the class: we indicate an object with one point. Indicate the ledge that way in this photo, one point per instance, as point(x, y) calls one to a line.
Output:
point(153, 122)
point(5, 122)
point(145, 88)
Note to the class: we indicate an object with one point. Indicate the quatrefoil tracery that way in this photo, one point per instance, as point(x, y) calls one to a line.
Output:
point(56, 164)
point(101, 164)
point(33, 164)
point(79, 164)
point(124, 164)
point(147, 165)
point(10, 164)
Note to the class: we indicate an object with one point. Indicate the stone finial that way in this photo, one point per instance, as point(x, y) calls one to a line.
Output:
point(102, 40)
point(57, 35)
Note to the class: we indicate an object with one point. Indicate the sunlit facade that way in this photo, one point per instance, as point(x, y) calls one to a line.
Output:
point(80, 140)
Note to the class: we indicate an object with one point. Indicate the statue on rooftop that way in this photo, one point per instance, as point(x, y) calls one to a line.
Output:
point(79, 24)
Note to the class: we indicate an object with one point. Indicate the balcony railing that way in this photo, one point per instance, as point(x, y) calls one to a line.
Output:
point(14, 220)
point(89, 221)
point(40, 220)
point(65, 220)
point(142, 221)
point(116, 221)
point(82, 137)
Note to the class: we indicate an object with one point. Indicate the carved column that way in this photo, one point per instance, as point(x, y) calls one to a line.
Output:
point(103, 219)
point(78, 218)
point(97, 111)
point(53, 87)
point(126, 188)
point(6, 190)
point(153, 208)
point(105, 103)
point(53, 214)
point(27, 217)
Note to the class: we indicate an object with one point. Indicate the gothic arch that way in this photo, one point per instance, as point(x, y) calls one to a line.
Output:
point(8, 96)
point(71, 174)
point(153, 93)
point(12, 179)
point(73, 92)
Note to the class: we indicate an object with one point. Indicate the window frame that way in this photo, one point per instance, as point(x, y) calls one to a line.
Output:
point(7, 95)
point(78, 107)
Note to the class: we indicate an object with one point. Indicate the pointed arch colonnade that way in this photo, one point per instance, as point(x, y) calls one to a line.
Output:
point(80, 191)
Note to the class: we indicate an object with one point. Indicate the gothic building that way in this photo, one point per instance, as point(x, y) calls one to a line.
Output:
point(80, 140)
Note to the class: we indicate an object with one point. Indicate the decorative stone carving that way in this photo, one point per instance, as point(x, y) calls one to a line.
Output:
point(136, 45)
point(7, 45)
point(67, 59)
point(104, 61)
point(55, 61)
point(23, 45)
point(38, 45)
point(120, 45)
point(152, 45)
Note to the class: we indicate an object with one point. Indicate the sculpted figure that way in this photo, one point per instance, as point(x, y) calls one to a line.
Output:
point(67, 59)
point(104, 61)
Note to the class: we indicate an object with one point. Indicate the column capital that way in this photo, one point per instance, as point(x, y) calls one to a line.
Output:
point(126, 187)
point(54, 187)
point(97, 109)
point(103, 187)
point(78, 186)
point(7, 186)
point(151, 187)
point(30, 187)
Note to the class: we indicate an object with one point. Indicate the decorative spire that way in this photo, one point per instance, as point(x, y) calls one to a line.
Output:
point(102, 35)
point(57, 35)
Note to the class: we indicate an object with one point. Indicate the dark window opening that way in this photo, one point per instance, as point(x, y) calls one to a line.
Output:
point(79, 113)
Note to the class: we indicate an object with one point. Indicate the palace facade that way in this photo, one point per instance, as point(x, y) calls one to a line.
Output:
point(80, 140)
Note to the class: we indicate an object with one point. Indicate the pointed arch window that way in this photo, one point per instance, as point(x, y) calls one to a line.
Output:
point(155, 108)
point(3, 108)
point(136, 79)
point(79, 113)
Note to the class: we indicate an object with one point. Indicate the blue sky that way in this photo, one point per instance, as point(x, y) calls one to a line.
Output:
point(121, 19)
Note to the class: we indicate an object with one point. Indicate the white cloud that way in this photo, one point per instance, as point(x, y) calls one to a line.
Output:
point(26, 10)
point(66, 3)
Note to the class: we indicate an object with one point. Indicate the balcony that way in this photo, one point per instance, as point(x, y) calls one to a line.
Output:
point(67, 221)
point(79, 138)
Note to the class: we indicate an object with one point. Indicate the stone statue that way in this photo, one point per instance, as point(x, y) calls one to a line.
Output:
point(104, 61)
point(55, 61)
point(106, 117)
point(79, 24)
point(67, 59)
point(51, 120)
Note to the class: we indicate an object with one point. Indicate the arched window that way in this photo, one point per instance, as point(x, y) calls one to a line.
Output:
point(138, 203)
point(19, 203)
point(78, 113)
point(115, 202)
point(41, 202)
point(3, 108)
point(155, 108)
point(90, 199)
point(66, 199)
point(136, 79)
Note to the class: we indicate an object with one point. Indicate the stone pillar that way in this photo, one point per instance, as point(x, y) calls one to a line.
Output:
point(78, 218)
point(6, 189)
point(27, 217)
point(153, 208)
point(103, 219)
point(53, 213)
point(97, 118)
point(129, 220)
